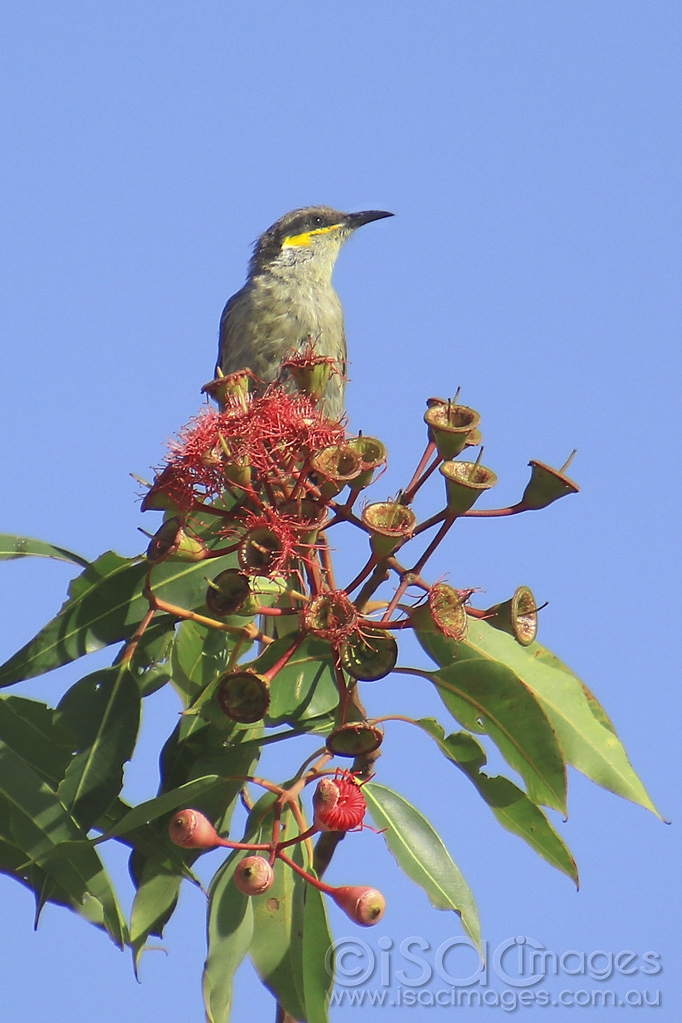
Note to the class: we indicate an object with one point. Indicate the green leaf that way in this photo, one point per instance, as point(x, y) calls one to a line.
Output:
point(157, 876)
point(44, 888)
point(230, 922)
point(185, 583)
point(290, 932)
point(485, 695)
point(421, 853)
point(276, 948)
point(545, 656)
point(195, 748)
point(317, 940)
point(27, 726)
point(40, 825)
point(511, 806)
point(586, 734)
point(151, 660)
point(158, 888)
point(143, 813)
point(104, 606)
point(22, 546)
point(230, 928)
point(102, 712)
point(199, 655)
point(306, 686)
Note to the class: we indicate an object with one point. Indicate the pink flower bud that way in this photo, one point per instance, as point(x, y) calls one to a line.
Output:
point(339, 803)
point(191, 830)
point(363, 905)
point(254, 875)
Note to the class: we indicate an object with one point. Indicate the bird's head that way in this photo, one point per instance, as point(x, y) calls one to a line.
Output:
point(309, 238)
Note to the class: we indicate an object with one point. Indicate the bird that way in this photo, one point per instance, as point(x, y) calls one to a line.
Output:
point(288, 301)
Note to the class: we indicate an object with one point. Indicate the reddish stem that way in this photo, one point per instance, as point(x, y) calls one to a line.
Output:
point(476, 612)
point(363, 573)
point(430, 448)
point(220, 551)
point(313, 830)
point(493, 513)
point(243, 845)
point(327, 889)
point(433, 521)
point(326, 558)
point(447, 523)
point(286, 656)
point(405, 581)
point(344, 695)
point(131, 645)
point(275, 612)
point(412, 490)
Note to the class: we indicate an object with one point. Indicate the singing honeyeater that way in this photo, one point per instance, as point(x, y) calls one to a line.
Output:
point(288, 300)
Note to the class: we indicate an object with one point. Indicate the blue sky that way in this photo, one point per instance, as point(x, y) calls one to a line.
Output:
point(531, 154)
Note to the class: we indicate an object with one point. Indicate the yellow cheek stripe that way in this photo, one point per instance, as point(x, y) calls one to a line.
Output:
point(304, 239)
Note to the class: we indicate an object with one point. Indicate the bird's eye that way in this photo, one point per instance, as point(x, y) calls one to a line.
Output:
point(318, 221)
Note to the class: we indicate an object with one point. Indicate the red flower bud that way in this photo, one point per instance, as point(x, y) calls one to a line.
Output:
point(339, 803)
point(254, 875)
point(191, 830)
point(363, 905)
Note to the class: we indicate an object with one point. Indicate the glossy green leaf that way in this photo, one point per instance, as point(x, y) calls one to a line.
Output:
point(158, 889)
point(230, 929)
point(545, 656)
point(185, 583)
point(306, 686)
point(197, 748)
point(317, 940)
point(290, 931)
point(421, 853)
point(44, 888)
point(511, 806)
point(23, 546)
point(276, 948)
point(194, 749)
point(28, 727)
point(104, 606)
point(586, 734)
point(230, 922)
point(143, 813)
point(143, 838)
point(151, 661)
point(485, 695)
point(199, 655)
point(157, 868)
point(40, 825)
point(102, 712)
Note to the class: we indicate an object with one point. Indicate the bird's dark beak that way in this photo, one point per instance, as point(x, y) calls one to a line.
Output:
point(355, 220)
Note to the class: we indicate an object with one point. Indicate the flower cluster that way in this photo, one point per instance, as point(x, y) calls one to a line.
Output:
point(339, 805)
point(255, 441)
point(261, 482)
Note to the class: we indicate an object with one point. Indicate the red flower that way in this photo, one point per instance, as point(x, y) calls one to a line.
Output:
point(273, 434)
point(330, 616)
point(267, 545)
point(284, 429)
point(338, 803)
point(173, 489)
